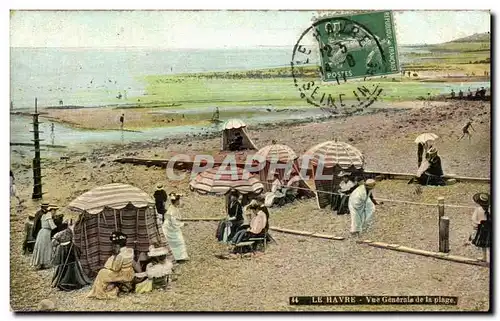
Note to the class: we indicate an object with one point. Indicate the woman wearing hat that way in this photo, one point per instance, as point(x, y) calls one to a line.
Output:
point(259, 223)
point(361, 206)
point(118, 269)
point(160, 197)
point(69, 274)
point(29, 241)
point(276, 195)
point(37, 223)
point(431, 172)
point(481, 221)
point(340, 200)
point(42, 252)
point(157, 270)
point(172, 229)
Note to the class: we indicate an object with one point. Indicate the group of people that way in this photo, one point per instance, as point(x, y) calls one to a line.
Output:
point(50, 240)
point(121, 273)
point(480, 94)
point(282, 193)
point(243, 223)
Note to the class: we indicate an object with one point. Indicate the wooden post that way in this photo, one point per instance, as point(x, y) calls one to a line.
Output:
point(441, 206)
point(37, 169)
point(444, 234)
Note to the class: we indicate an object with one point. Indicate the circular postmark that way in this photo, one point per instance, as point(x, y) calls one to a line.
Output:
point(341, 48)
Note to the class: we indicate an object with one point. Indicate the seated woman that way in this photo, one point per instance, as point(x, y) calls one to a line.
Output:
point(341, 200)
point(259, 223)
point(431, 172)
point(69, 273)
point(157, 271)
point(292, 189)
point(237, 143)
point(229, 226)
point(276, 195)
point(118, 270)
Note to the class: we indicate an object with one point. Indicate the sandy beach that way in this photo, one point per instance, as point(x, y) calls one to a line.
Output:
point(296, 265)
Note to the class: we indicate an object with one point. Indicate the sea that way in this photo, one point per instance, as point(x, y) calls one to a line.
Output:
point(91, 77)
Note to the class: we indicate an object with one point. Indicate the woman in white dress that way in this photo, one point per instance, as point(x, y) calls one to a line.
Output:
point(172, 229)
point(42, 252)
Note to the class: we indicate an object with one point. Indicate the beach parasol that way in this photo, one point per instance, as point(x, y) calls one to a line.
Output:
point(425, 137)
point(333, 153)
point(233, 123)
point(277, 152)
point(220, 181)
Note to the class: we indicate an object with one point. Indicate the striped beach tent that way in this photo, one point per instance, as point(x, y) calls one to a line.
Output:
point(281, 154)
point(114, 207)
point(230, 129)
point(328, 159)
point(220, 181)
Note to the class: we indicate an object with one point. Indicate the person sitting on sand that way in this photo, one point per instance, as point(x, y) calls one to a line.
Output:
point(481, 222)
point(361, 207)
point(117, 270)
point(237, 142)
point(157, 271)
point(431, 172)
point(276, 196)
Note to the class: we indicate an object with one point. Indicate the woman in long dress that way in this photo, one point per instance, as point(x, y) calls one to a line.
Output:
point(481, 221)
point(118, 270)
point(361, 207)
point(69, 273)
point(42, 253)
point(172, 229)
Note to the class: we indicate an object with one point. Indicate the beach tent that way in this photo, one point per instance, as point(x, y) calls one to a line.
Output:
point(229, 130)
point(281, 154)
point(329, 158)
point(114, 207)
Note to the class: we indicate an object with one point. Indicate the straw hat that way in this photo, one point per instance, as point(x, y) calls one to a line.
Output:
point(45, 205)
point(157, 251)
point(159, 186)
point(482, 199)
point(370, 183)
point(53, 207)
point(174, 196)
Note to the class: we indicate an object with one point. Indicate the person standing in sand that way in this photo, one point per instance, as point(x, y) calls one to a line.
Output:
point(481, 222)
point(465, 130)
point(122, 120)
point(42, 253)
point(172, 229)
point(361, 207)
point(13, 190)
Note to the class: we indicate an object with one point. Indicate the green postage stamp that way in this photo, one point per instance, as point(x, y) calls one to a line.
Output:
point(355, 46)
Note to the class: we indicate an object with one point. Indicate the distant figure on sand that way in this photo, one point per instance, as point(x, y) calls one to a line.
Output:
point(160, 197)
point(465, 130)
point(452, 93)
point(122, 120)
point(460, 94)
point(13, 190)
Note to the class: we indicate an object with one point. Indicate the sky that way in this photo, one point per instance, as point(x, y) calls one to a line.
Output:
point(214, 29)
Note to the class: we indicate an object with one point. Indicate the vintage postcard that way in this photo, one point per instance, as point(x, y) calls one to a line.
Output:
point(250, 160)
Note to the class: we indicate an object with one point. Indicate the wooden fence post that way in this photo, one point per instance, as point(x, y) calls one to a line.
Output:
point(441, 206)
point(444, 234)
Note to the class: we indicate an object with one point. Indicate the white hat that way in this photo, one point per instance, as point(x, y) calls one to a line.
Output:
point(370, 182)
point(157, 251)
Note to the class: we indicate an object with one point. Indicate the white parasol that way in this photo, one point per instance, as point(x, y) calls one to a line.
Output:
point(426, 137)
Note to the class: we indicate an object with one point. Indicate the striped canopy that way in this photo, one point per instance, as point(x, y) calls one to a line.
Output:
point(332, 153)
point(234, 123)
point(220, 181)
point(115, 196)
point(281, 153)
